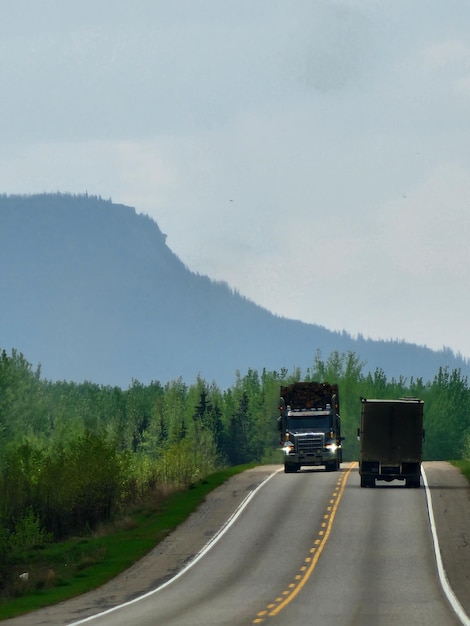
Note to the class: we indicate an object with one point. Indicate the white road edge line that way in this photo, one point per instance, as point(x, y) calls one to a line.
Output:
point(231, 520)
point(452, 598)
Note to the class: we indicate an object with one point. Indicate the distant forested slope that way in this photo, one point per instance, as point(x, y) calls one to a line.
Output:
point(91, 291)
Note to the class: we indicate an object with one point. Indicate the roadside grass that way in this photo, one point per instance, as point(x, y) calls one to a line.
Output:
point(61, 571)
point(464, 467)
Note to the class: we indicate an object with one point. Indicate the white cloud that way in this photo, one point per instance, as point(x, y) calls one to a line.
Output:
point(463, 86)
point(443, 55)
point(426, 232)
point(134, 170)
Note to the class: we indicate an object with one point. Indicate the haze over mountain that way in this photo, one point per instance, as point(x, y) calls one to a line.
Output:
point(91, 291)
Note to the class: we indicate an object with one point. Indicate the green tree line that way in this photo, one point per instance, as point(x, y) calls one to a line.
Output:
point(73, 455)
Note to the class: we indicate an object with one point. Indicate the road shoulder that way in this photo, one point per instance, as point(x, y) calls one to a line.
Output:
point(450, 494)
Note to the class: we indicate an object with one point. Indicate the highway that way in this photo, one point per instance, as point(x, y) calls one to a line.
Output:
point(309, 548)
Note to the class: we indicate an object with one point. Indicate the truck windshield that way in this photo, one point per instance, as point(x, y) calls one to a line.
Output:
point(320, 423)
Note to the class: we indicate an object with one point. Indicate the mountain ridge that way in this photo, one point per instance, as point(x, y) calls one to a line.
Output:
point(91, 291)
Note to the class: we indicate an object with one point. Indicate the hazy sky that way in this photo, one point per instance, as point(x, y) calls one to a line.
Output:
point(314, 154)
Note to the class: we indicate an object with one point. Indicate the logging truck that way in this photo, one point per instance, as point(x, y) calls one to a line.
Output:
point(310, 426)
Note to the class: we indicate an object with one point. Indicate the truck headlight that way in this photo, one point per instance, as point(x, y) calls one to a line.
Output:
point(332, 447)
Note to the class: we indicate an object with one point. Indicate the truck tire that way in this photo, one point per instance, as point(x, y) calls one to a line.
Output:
point(290, 468)
point(413, 482)
point(332, 466)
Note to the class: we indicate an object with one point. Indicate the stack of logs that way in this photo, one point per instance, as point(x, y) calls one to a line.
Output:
point(308, 395)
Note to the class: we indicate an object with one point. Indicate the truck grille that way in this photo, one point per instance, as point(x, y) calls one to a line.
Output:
point(310, 443)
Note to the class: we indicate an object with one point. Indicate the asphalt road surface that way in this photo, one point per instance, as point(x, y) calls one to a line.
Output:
point(307, 548)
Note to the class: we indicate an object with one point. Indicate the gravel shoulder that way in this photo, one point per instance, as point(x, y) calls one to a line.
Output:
point(161, 563)
point(451, 503)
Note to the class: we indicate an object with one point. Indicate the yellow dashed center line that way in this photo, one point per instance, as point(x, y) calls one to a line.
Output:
point(306, 571)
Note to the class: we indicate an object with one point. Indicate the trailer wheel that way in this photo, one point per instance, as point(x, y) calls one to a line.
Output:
point(367, 481)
